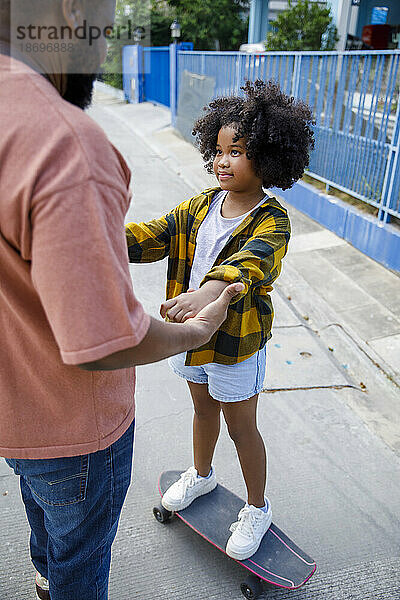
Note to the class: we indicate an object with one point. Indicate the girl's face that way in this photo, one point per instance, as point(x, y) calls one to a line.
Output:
point(232, 168)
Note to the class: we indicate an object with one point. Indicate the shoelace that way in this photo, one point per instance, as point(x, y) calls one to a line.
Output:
point(247, 519)
point(187, 480)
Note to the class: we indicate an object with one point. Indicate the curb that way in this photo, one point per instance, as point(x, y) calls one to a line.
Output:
point(379, 241)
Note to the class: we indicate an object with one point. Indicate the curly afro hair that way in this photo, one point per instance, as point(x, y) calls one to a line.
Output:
point(277, 130)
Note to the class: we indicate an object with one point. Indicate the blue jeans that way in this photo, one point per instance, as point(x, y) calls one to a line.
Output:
point(73, 507)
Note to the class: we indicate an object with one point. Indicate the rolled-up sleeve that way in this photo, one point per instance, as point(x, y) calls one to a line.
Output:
point(259, 261)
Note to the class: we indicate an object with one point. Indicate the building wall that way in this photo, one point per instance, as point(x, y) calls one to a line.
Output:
point(365, 12)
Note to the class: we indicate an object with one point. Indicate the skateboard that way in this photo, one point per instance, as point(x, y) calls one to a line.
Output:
point(278, 561)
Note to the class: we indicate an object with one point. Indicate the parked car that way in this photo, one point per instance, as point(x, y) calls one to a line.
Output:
point(252, 48)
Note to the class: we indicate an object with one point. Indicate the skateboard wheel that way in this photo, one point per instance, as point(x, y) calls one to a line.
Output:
point(252, 588)
point(161, 514)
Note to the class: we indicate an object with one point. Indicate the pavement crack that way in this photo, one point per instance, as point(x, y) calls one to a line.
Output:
point(315, 387)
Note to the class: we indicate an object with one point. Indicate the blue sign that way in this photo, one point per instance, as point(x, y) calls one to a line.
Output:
point(186, 46)
point(379, 15)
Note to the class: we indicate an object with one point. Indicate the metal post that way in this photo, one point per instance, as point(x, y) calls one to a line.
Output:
point(127, 64)
point(142, 75)
point(391, 169)
point(238, 74)
point(136, 93)
point(173, 66)
point(258, 21)
point(252, 22)
point(296, 76)
point(203, 64)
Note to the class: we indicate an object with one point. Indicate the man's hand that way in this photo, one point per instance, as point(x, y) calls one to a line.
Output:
point(189, 304)
point(210, 318)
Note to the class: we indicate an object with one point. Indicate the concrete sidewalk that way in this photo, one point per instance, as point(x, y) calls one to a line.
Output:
point(328, 413)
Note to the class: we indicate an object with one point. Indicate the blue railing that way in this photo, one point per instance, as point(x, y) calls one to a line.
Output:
point(355, 101)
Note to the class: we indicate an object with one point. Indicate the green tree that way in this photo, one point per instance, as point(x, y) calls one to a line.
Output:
point(129, 15)
point(211, 24)
point(161, 19)
point(304, 25)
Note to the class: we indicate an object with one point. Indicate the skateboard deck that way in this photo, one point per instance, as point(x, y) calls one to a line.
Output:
point(278, 560)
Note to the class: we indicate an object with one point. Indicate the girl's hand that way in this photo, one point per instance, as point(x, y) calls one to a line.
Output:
point(214, 314)
point(189, 304)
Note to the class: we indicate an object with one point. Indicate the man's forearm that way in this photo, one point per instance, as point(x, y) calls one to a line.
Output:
point(166, 339)
point(161, 341)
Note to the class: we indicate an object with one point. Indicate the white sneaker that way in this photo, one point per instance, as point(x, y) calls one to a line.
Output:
point(187, 488)
point(248, 531)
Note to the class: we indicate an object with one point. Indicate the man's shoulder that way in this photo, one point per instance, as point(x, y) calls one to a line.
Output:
point(55, 134)
point(36, 101)
point(72, 125)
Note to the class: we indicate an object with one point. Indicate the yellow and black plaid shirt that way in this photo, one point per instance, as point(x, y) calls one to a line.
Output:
point(253, 256)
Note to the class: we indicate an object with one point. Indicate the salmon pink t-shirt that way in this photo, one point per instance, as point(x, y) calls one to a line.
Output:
point(66, 296)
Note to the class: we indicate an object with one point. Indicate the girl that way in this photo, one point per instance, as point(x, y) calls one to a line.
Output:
point(232, 233)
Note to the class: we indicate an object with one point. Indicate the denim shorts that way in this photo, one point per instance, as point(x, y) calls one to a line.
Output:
point(226, 383)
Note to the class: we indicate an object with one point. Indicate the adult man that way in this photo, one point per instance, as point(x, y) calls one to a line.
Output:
point(72, 329)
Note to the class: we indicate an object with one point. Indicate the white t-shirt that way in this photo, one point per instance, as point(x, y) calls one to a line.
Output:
point(212, 236)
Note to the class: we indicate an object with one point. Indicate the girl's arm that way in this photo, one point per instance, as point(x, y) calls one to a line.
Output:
point(259, 262)
point(151, 241)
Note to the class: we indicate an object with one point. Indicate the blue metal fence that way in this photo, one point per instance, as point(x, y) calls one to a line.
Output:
point(147, 73)
point(355, 101)
point(157, 75)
